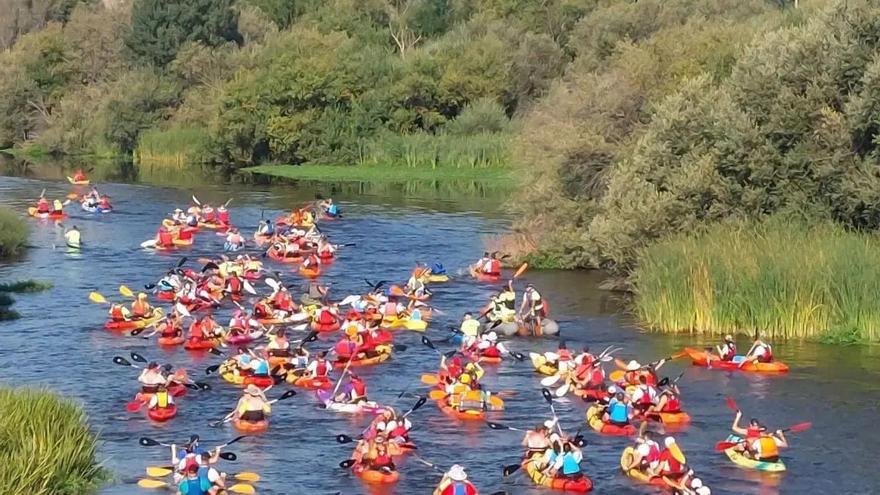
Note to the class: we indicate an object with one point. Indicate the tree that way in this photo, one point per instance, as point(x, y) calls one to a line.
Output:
point(160, 27)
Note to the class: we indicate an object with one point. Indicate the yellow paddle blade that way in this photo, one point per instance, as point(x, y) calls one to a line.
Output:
point(95, 297)
point(522, 269)
point(125, 291)
point(72, 196)
point(430, 379)
point(437, 394)
point(242, 488)
point(617, 375)
point(248, 476)
point(158, 472)
point(145, 483)
point(496, 402)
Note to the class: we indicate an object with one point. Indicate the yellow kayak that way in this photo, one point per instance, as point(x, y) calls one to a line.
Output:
point(407, 323)
point(540, 364)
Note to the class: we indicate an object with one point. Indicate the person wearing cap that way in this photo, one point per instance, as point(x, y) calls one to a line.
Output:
point(532, 308)
point(758, 444)
point(210, 473)
point(140, 308)
point(492, 265)
point(278, 346)
point(760, 352)
point(537, 441)
point(568, 462)
point(455, 482)
point(727, 350)
point(151, 378)
point(619, 411)
point(252, 406)
point(646, 454)
point(193, 484)
point(672, 462)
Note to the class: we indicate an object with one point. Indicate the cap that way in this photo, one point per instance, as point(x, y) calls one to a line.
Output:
point(633, 365)
point(456, 473)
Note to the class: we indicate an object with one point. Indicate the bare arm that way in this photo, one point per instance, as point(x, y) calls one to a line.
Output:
point(736, 427)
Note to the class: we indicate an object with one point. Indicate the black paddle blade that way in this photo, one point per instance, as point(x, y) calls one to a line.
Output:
point(400, 347)
point(347, 463)
point(449, 354)
point(371, 285)
point(181, 262)
point(313, 336)
point(149, 286)
point(344, 439)
point(212, 369)
point(663, 382)
point(136, 332)
point(547, 395)
point(148, 442)
point(122, 361)
point(519, 356)
point(215, 351)
point(427, 342)
point(494, 324)
point(496, 426)
point(508, 470)
point(229, 456)
point(580, 441)
point(191, 386)
point(168, 367)
point(203, 386)
point(419, 403)
point(502, 492)
point(287, 395)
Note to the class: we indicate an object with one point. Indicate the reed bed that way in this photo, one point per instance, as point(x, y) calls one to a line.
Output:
point(48, 448)
point(439, 151)
point(784, 280)
point(176, 147)
point(13, 233)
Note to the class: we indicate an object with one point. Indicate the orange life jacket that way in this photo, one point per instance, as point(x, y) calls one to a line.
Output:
point(769, 450)
point(140, 308)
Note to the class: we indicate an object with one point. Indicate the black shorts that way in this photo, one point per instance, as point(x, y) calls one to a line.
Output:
point(252, 416)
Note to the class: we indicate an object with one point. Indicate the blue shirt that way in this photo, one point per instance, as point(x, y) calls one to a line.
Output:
point(618, 411)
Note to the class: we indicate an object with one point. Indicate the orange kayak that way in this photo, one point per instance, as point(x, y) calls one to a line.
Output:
point(708, 360)
point(310, 272)
point(250, 426)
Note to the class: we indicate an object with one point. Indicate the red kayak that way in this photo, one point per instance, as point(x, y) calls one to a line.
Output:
point(198, 345)
point(260, 381)
point(162, 413)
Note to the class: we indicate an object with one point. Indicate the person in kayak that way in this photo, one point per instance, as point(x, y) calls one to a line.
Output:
point(537, 441)
point(672, 462)
point(119, 312)
point(208, 215)
point(356, 390)
point(532, 308)
point(151, 378)
point(73, 237)
point(758, 444)
point(568, 463)
point(79, 176)
point(253, 405)
point(311, 262)
point(727, 349)
point(489, 346)
point(104, 203)
point(161, 399)
point(319, 367)
point(208, 472)
point(325, 249)
point(193, 484)
point(43, 205)
point(619, 411)
point(223, 215)
point(646, 454)
point(761, 352)
point(140, 308)
point(455, 482)
point(644, 396)
point(380, 459)
point(669, 400)
point(470, 329)
point(258, 366)
point(266, 228)
point(329, 207)
point(234, 240)
point(278, 345)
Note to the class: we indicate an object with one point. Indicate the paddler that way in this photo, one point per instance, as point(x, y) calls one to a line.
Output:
point(619, 411)
point(672, 463)
point(164, 238)
point(258, 366)
point(532, 308)
point(151, 378)
point(178, 216)
point(379, 458)
point(329, 207)
point(325, 249)
point(208, 472)
point(311, 261)
point(568, 464)
point(171, 326)
point(119, 312)
point(278, 345)
point(646, 455)
point(161, 399)
point(455, 482)
point(73, 237)
point(669, 400)
point(140, 308)
point(470, 329)
point(222, 215)
point(282, 301)
point(645, 395)
point(57, 206)
point(727, 349)
point(488, 346)
point(253, 405)
point(42, 205)
point(208, 215)
point(355, 391)
point(320, 367)
point(492, 266)
point(79, 176)
point(266, 229)
point(537, 441)
point(758, 444)
point(234, 240)
point(688, 484)
point(104, 204)
point(761, 352)
point(193, 484)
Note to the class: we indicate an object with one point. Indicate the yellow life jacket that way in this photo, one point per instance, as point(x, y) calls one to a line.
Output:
point(162, 399)
point(769, 450)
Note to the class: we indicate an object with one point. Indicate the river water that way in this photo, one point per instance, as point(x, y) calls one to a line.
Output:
point(60, 343)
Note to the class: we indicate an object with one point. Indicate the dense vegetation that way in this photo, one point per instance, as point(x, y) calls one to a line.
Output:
point(48, 448)
point(738, 277)
point(430, 83)
point(13, 233)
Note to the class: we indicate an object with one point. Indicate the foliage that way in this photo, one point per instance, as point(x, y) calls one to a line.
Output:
point(25, 286)
point(48, 447)
point(13, 233)
point(137, 101)
point(744, 277)
point(160, 27)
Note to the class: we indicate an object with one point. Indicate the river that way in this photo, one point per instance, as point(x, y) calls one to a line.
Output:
point(60, 343)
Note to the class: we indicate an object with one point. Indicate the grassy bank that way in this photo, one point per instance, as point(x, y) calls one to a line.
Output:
point(21, 287)
point(48, 448)
point(378, 173)
point(782, 279)
point(13, 233)
point(178, 147)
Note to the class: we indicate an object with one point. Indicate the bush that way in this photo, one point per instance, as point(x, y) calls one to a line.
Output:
point(780, 278)
point(48, 448)
point(13, 233)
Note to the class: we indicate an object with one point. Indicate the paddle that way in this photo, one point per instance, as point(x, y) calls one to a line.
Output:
point(237, 488)
point(731, 404)
point(499, 426)
point(160, 472)
point(228, 417)
point(428, 343)
point(123, 362)
point(522, 269)
point(98, 298)
point(549, 398)
point(722, 446)
point(125, 291)
point(419, 403)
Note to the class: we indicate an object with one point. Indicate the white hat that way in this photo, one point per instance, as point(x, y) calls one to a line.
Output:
point(492, 336)
point(669, 441)
point(612, 389)
point(696, 483)
point(633, 365)
point(549, 424)
point(456, 473)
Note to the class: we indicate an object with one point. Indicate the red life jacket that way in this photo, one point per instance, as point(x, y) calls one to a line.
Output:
point(321, 369)
point(105, 203)
point(653, 453)
point(494, 267)
point(165, 239)
point(195, 331)
point(491, 351)
point(753, 432)
point(184, 234)
point(673, 404)
point(382, 460)
point(564, 355)
point(282, 301)
point(675, 467)
point(344, 348)
point(168, 329)
point(729, 352)
point(456, 487)
point(116, 314)
point(646, 395)
point(359, 387)
point(208, 216)
point(326, 317)
point(223, 216)
point(234, 285)
point(139, 308)
point(768, 355)
point(399, 431)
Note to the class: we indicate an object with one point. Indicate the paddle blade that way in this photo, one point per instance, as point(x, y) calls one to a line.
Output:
point(242, 488)
point(496, 426)
point(203, 386)
point(344, 439)
point(722, 446)
point(122, 361)
point(233, 440)
point(229, 456)
point(437, 394)
point(149, 286)
point(247, 476)
point(147, 483)
point(427, 342)
point(212, 369)
point(663, 382)
point(137, 357)
point(430, 379)
point(799, 427)
point(449, 354)
point(347, 463)
point(547, 395)
point(561, 391)
point(419, 403)
point(181, 262)
point(519, 356)
point(158, 472)
point(287, 395)
point(616, 375)
point(731, 404)
point(137, 331)
point(125, 291)
point(549, 381)
point(97, 298)
point(148, 442)
point(522, 269)
point(508, 470)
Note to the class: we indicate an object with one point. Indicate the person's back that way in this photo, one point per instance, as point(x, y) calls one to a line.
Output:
point(618, 411)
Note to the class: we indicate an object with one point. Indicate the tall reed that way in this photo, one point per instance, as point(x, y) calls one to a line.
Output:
point(483, 150)
point(48, 448)
point(176, 147)
point(13, 233)
point(781, 279)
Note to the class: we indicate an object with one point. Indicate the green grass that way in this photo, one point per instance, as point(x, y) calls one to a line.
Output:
point(13, 233)
point(377, 173)
point(782, 279)
point(176, 147)
point(439, 151)
point(48, 448)
point(26, 286)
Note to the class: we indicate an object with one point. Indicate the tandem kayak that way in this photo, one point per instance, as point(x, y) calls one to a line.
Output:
point(747, 462)
point(310, 272)
point(582, 484)
point(317, 383)
point(463, 414)
point(707, 360)
point(158, 313)
point(635, 473)
point(171, 341)
point(54, 215)
point(162, 413)
point(596, 423)
point(250, 426)
point(384, 353)
point(375, 475)
point(326, 397)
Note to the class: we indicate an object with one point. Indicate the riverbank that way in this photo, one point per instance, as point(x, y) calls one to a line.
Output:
point(376, 173)
point(13, 233)
point(48, 448)
point(784, 280)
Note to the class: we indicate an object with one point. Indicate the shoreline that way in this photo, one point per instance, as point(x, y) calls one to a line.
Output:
point(363, 173)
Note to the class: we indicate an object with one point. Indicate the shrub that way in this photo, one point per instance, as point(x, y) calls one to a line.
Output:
point(13, 233)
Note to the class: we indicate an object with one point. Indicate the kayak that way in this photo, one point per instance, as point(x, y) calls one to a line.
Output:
point(539, 361)
point(170, 224)
point(276, 361)
point(669, 418)
point(597, 424)
point(162, 413)
point(243, 339)
point(95, 209)
point(213, 226)
point(635, 473)
point(260, 381)
point(170, 341)
point(746, 462)
point(165, 295)
point(250, 426)
point(483, 276)
point(327, 257)
point(467, 414)
point(317, 383)
point(407, 323)
point(375, 475)
point(174, 390)
point(261, 239)
point(436, 279)
point(325, 327)
point(707, 360)
point(370, 407)
point(133, 324)
point(474, 356)
point(582, 485)
point(590, 394)
point(310, 272)
point(384, 353)
point(55, 215)
point(231, 377)
point(289, 320)
point(183, 242)
point(199, 344)
point(75, 182)
point(272, 253)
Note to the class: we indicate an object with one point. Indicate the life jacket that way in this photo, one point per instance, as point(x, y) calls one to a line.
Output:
point(653, 453)
point(321, 368)
point(168, 329)
point(564, 355)
point(491, 351)
point(165, 239)
point(162, 399)
point(262, 310)
point(43, 206)
point(570, 464)
point(399, 431)
point(234, 285)
point(184, 234)
point(196, 331)
point(116, 313)
point(646, 398)
point(729, 351)
point(382, 460)
point(675, 467)
point(459, 488)
point(326, 317)
point(262, 368)
point(753, 432)
point(769, 450)
point(507, 299)
point(105, 203)
point(494, 267)
point(345, 348)
point(208, 215)
point(223, 216)
point(282, 301)
point(140, 308)
point(768, 354)
point(673, 404)
point(359, 388)
point(618, 412)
